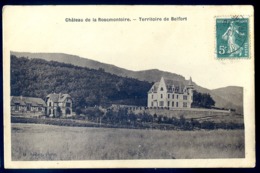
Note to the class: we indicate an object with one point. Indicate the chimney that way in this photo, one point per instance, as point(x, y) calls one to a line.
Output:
point(21, 97)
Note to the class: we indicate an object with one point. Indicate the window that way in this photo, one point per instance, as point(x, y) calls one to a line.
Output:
point(168, 104)
point(161, 95)
point(184, 97)
point(172, 104)
point(184, 104)
point(173, 96)
point(177, 104)
point(161, 103)
point(177, 96)
point(28, 106)
point(152, 104)
point(16, 106)
point(39, 108)
point(152, 96)
point(168, 96)
point(67, 104)
point(161, 88)
point(49, 103)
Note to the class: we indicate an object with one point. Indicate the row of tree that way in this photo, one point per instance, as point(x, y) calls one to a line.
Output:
point(123, 117)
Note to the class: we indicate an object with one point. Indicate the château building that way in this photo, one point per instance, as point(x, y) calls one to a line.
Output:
point(170, 94)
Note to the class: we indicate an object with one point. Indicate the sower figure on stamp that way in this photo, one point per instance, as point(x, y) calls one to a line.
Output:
point(230, 36)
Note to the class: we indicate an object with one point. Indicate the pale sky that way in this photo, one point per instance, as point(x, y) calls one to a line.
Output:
point(183, 47)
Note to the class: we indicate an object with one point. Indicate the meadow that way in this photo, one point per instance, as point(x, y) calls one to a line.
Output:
point(49, 142)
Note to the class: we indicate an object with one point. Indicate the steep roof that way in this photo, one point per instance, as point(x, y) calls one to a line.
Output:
point(177, 85)
point(58, 97)
point(53, 97)
point(63, 97)
point(27, 100)
point(190, 82)
point(154, 88)
point(174, 83)
point(170, 84)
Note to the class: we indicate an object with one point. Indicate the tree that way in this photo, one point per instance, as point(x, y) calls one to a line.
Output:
point(78, 111)
point(88, 87)
point(132, 117)
point(203, 100)
point(182, 121)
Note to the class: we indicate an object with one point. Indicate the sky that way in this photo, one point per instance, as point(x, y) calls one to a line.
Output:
point(183, 47)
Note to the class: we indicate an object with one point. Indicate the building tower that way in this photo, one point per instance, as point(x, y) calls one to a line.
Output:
point(190, 89)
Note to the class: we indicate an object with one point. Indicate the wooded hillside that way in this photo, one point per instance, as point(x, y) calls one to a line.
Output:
point(230, 97)
point(88, 87)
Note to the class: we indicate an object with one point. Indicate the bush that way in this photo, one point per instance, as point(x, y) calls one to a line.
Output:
point(78, 111)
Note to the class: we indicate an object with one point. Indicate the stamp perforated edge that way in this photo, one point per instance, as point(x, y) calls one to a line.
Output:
point(249, 38)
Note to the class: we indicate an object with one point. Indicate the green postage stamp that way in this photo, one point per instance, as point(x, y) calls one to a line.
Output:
point(232, 37)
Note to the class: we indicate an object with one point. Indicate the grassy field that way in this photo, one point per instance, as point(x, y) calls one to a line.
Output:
point(48, 142)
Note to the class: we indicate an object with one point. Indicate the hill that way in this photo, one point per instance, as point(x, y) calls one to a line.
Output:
point(38, 78)
point(153, 75)
point(146, 75)
point(233, 93)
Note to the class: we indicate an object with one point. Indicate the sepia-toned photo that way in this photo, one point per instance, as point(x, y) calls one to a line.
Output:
point(128, 86)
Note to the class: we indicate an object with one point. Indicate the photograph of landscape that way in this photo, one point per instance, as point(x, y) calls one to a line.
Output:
point(125, 87)
point(110, 118)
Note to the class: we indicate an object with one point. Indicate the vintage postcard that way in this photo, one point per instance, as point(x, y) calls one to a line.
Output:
point(128, 86)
